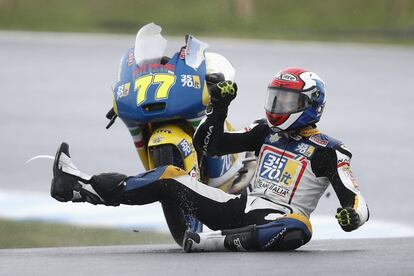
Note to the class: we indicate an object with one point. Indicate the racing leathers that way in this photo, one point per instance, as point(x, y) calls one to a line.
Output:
point(238, 228)
point(293, 168)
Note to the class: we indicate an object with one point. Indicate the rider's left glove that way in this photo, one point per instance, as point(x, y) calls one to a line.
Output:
point(348, 219)
point(223, 93)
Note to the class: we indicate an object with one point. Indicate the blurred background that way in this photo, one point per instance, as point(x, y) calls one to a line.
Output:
point(368, 21)
point(59, 59)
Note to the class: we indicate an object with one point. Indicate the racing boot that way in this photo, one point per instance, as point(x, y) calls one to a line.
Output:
point(199, 242)
point(240, 239)
point(70, 184)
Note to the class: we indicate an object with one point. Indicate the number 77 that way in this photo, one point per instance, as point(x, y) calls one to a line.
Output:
point(164, 81)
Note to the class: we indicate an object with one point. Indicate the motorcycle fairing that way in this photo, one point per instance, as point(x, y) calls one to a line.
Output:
point(172, 134)
point(155, 92)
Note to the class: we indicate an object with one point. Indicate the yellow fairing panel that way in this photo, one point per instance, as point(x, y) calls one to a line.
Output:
point(174, 135)
point(143, 155)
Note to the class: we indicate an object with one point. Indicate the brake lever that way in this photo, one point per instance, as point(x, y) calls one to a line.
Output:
point(111, 116)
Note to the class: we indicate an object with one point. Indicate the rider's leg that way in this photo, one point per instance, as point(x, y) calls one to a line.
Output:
point(285, 233)
point(215, 208)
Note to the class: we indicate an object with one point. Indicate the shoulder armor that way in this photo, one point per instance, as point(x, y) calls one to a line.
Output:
point(258, 122)
point(343, 149)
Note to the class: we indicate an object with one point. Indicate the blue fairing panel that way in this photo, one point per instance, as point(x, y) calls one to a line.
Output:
point(156, 92)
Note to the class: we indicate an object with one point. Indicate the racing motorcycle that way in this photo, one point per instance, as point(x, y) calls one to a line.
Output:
point(162, 100)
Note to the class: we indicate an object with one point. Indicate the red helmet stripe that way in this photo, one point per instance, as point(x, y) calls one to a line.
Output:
point(280, 82)
point(276, 119)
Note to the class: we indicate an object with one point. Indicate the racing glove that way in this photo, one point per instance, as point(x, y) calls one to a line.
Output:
point(348, 219)
point(222, 93)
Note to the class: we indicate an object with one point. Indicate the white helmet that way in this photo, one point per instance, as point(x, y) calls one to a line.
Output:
point(216, 63)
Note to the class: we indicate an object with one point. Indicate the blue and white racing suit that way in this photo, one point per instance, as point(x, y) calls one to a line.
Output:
point(294, 169)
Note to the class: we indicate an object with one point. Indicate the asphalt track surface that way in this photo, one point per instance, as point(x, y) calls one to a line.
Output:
point(344, 257)
point(57, 87)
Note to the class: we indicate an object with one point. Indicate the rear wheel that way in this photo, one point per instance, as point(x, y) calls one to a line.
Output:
point(178, 222)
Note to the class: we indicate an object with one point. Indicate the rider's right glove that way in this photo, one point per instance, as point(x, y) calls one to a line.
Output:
point(222, 93)
point(348, 219)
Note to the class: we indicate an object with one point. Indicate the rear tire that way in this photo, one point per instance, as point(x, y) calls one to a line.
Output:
point(169, 155)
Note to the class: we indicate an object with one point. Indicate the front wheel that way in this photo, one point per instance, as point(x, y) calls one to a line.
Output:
point(177, 220)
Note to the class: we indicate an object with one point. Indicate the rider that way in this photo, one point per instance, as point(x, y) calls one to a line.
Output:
point(296, 162)
point(296, 165)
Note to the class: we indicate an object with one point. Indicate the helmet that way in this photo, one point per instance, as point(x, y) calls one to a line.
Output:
point(295, 98)
point(216, 63)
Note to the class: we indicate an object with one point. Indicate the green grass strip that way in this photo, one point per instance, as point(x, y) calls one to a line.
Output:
point(390, 21)
point(29, 234)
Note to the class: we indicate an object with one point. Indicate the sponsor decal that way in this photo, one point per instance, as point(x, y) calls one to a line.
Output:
point(131, 58)
point(185, 148)
point(153, 68)
point(279, 172)
point(278, 169)
point(286, 77)
point(305, 149)
point(317, 140)
point(227, 161)
point(276, 189)
point(123, 90)
point(238, 244)
point(207, 139)
point(274, 242)
point(191, 81)
point(342, 162)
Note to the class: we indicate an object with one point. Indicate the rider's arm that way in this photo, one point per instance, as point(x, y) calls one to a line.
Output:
point(335, 164)
point(210, 138)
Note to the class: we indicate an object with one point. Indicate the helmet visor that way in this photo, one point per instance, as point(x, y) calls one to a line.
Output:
point(285, 102)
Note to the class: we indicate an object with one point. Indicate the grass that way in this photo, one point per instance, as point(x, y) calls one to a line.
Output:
point(29, 234)
point(389, 21)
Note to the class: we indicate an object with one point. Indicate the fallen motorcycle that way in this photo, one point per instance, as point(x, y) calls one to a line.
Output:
point(162, 100)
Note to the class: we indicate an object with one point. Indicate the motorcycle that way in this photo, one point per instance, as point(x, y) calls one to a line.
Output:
point(162, 100)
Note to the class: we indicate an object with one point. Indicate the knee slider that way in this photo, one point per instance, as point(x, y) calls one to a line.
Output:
point(287, 233)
